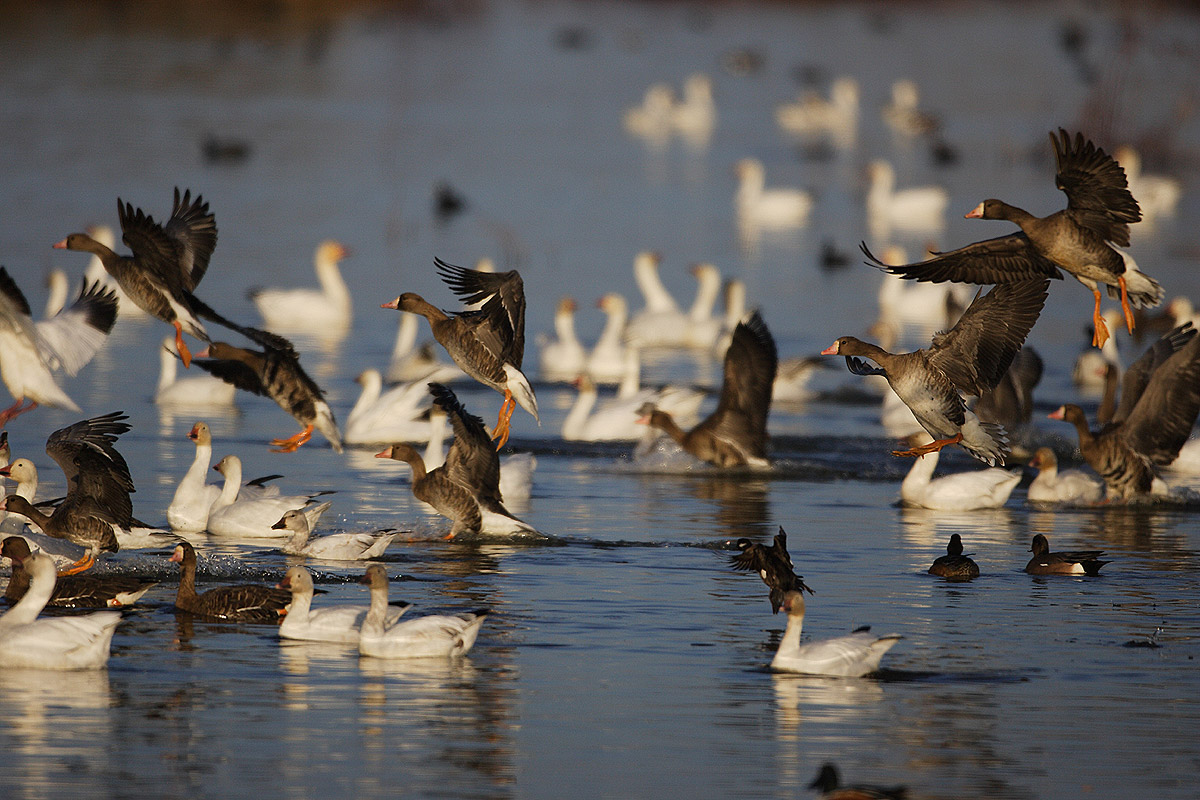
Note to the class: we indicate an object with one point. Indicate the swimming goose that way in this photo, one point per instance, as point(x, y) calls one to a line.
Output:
point(970, 358)
point(241, 513)
point(167, 264)
point(274, 372)
point(652, 119)
point(828, 782)
point(341, 623)
point(777, 207)
point(72, 591)
point(735, 434)
point(659, 323)
point(398, 415)
point(194, 497)
point(326, 312)
point(616, 420)
point(31, 352)
point(695, 115)
point(917, 208)
point(488, 343)
point(245, 602)
point(1079, 239)
point(75, 642)
point(1070, 562)
point(954, 566)
point(903, 114)
point(1068, 486)
point(331, 547)
point(24, 473)
point(563, 357)
point(1157, 195)
point(773, 564)
point(193, 391)
point(959, 491)
point(431, 636)
point(813, 115)
point(850, 656)
point(607, 361)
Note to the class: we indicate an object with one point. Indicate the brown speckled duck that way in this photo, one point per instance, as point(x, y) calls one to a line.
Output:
point(243, 603)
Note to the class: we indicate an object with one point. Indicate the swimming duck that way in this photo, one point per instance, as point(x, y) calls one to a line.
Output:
point(331, 547)
point(954, 566)
point(850, 656)
point(828, 782)
point(341, 623)
point(773, 564)
point(326, 312)
point(1069, 562)
point(439, 635)
point(959, 491)
point(1066, 486)
point(245, 602)
point(72, 591)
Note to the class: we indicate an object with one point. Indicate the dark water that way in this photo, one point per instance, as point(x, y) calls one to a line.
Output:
point(624, 659)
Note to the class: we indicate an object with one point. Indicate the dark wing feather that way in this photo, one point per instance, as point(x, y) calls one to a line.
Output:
point(1163, 416)
point(471, 462)
point(157, 254)
point(503, 310)
point(13, 294)
point(750, 365)
point(1001, 260)
point(238, 373)
point(1138, 376)
point(1098, 196)
point(194, 231)
point(93, 467)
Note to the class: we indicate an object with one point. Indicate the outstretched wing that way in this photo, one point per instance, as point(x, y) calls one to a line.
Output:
point(500, 322)
point(1098, 195)
point(1001, 260)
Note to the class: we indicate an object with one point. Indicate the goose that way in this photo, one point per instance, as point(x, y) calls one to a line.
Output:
point(850, 656)
point(735, 434)
point(72, 591)
point(168, 262)
point(970, 358)
point(920, 208)
point(410, 363)
point(488, 343)
point(617, 419)
point(60, 643)
point(1072, 562)
point(813, 115)
point(1079, 239)
point(777, 207)
point(234, 515)
point(955, 565)
point(829, 784)
point(903, 114)
point(930, 306)
point(95, 273)
point(245, 602)
point(431, 636)
point(379, 417)
point(652, 119)
point(334, 546)
point(516, 469)
point(193, 391)
point(58, 287)
point(695, 115)
point(607, 361)
point(341, 624)
point(773, 564)
point(31, 352)
point(960, 491)
point(702, 327)
point(660, 323)
point(563, 357)
point(24, 473)
point(327, 311)
point(735, 309)
point(189, 507)
point(792, 379)
point(1157, 195)
point(1070, 486)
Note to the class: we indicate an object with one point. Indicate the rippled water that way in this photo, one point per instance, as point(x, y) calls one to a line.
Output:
point(623, 659)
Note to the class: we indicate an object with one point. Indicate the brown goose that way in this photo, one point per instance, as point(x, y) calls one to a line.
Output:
point(1068, 562)
point(488, 343)
point(73, 591)
point(1078, 239)
point(773, 565)
point(955, 565)
point(274, 372)
point(242, 603)
point(167, 264)
point(1160, 400)
point(970, 358)
point(735, 434)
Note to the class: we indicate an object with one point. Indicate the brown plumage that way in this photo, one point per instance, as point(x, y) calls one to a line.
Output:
point(829, 784)
point(954, 566)
point(1068, 562)
point(242, 603)
point(773, 564)
point(73, 591)
point(437, 489)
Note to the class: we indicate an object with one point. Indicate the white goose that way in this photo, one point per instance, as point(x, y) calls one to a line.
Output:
point(735, 310)
point(379, 417)
point(1068, 486)
point(1157, 195)
point(191, 391)
point(233, 515)
point(919, 208)
point(961, 491)
point(412, 363)
point(695, 116)
point(334, 546)
point(903, 114)
point(849, 656)
point(652, 119)
point(194, 498)
point(813, 115)
point(24, 473)
point(434, 636)
point(761, 208)
point(75, 642)
point(606, 362)
point(703, 327)
point(324, 313)
point(563, 357)
point(660, 323)
point(617, 419)
point(341, 624)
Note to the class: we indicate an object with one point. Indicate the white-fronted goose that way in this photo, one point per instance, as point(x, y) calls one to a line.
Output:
point(489, 342)
point(958, 491)
point(735, 434)
point(72, 591)
point(970, 358)
point(1069, 486)
point(333, 546)
point(325, 313)
point(245, 602)
point(1067, 562)
point(1078, 239)
point(341, 624)
point(167, 264)
point(31, 352)
point(850, 656)
point(955, 565)
point(773, 564)
point(829, 784)
point(424, 637)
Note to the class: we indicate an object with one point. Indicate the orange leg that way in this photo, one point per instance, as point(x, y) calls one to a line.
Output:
point(502, 424)
point(15, 410)
point(84, 563)
point(184, 354)
point(1125, 303)
point(932, 447)
point(1099, 329)
point(292, 443)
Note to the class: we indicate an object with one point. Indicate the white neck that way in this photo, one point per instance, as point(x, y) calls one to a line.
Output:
point(435, 454)
point(330, 278)
point(372, 385)
point(301, 603)
point(921, 472)
point(373, 623)
point(166, 374)
point(198, 471)
point(735, 303)
point(645, 272)
point(631, 378)
point(564, 326)
point(41, 586)
point(706, 294)
point(233, 484)
point(614, 326)
point(576, 419)
point(791, 635)
point(406, 335)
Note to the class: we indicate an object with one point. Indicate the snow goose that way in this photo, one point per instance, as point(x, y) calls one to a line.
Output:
point(955, 565)
point(326, 312)
point(792, 379)
point(829, 784)
point(1157, 195)
point(341, 624)
point(58, 287)
point(903, 114)
point(334, 546)
point(24, 473)
point(168, 262)
point(412, 363)
point(735, 310)
point(72, 591)
point(31, 352)
point(960, 491)
point(970, 358)
point(193, 391)
point(1068, 562)
point(606, 362)
point(1066, 486)
point(773, 564)
point(813, 115)
point(1079, 239)
point(398, 415)
point(760, 207)
point(616, 420)
point(76, 642)
point(849, 656)
point(695, 115)
point(735, 434)
point(245, 602)
point(652, 119)
point(431, 636)
point(233, 514)
point(702, 327)
point(919, 208)
point(659, 323)
point(488, 343)
point(193, 498)
point(563, 357)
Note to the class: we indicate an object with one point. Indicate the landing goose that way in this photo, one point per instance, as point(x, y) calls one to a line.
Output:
point(333, 546)
point(245, 602)
point(1079, 239)
point(1071, 562)
point(761, 207)
point(341, 624)
point(325, 313)
point(400, 414)
point(72, 591)
point(829, 784)
point(516, 469)
point(970, 358)
point(192, 391)
point(431, 636)
point(850, 656)
point(252, 515)
point(562, 357)
point(773, 564)
point(959, 491)
point(955, 565)
point(488, 343)
point(1068, 486)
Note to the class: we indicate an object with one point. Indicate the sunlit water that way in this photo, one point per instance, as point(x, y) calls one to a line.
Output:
point(623, 658)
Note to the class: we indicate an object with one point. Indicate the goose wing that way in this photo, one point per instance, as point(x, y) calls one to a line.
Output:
point(1098, 195)
point(1000, 260)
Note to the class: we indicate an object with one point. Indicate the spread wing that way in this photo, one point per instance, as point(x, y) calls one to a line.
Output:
point(194, 231)
point(500, 322)
point(93, 467)
point(472, 461)
point(1098, 195)
point(1001, 260)
point(750, 365)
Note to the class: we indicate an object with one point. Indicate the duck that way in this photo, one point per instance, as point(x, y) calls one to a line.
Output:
point(328, 310)
point(659, 323)
point(432, 636)
point(960, 491)
point(378, 417)
point(167, 264)
point(850, 656)
point(1072, 562)
point(245, 602)
point(58, 643)
point(341, 624)
point(773, 564)
point(232, 514)
point(955, 565)
point(970, 358)
point(1157, 195)
point(1080, 239)
point(1069, 486)
point(72, 591)
point(94, 272)
point(776, 207)
point(563, 357)
point(487, 343)
point(275, 372)
point(920, 208)
point(813, 115)
point(904, 115)
point(193, 391)
point(32, 352)
point(334, 546)
point(735, 434)
point(829, 784)
point(410, 363)
point(606, 362)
